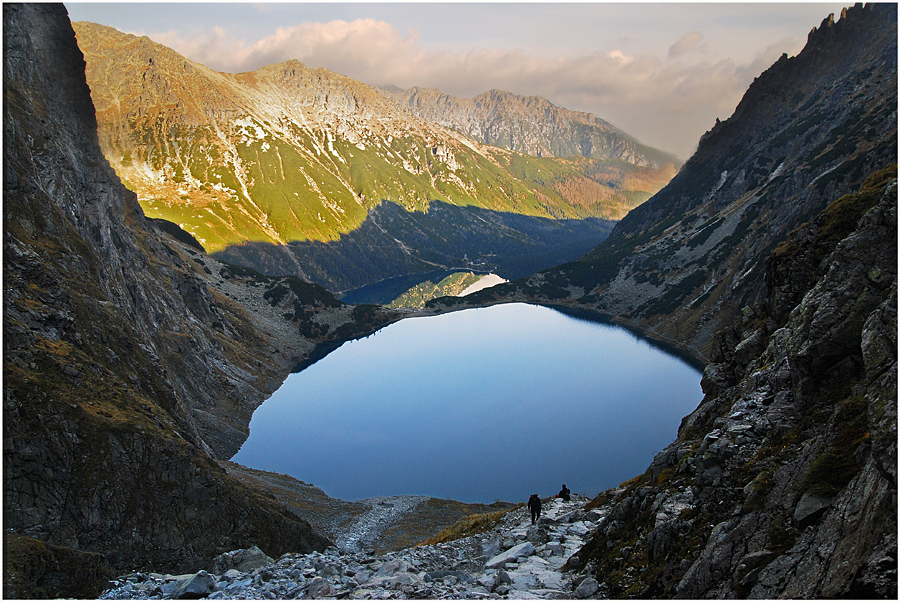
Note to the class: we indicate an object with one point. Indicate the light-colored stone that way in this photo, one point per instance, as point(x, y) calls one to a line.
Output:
point(198, 585)
point(523, 549)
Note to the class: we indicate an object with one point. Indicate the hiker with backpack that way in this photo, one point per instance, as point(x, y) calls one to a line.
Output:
point(534, 504)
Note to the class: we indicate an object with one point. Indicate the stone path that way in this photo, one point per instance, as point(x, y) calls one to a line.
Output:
point(514, 560)
point(363, 530)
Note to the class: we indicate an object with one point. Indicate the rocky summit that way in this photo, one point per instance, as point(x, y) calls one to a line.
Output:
point(532, 125)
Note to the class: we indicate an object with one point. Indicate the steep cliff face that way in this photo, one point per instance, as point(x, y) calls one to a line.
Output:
point(130, 359)
point(783, 482)
point(531, 124)
point(809, 129)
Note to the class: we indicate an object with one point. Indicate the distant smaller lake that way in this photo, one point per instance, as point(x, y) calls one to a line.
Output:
point(476, 405)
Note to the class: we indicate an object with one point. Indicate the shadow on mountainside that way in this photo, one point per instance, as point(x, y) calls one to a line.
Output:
point(393, 242)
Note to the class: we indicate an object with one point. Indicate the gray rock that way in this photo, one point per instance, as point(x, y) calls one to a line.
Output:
point(198, 585)
point(587, 588)
point(234, 585)
point(571, 517)
point(537, 534)
point(319, 588)
point(489, 548)
point(245, 560)
point(757, 559)
point(810, 508)
point(391, 568)
point(523, 549)
point(444, 574)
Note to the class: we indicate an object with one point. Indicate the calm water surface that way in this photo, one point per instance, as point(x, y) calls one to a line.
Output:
point(476, 405)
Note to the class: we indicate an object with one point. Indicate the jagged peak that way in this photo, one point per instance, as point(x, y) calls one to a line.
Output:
point(821, 39)
point(850, 16)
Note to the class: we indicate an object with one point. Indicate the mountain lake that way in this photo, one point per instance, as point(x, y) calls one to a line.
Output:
point(477, 405)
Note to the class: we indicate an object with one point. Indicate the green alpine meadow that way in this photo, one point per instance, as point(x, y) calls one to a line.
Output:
point(287, 153)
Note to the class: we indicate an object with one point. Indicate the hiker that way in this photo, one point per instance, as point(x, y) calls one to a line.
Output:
point(564, 493)
point(534, 504)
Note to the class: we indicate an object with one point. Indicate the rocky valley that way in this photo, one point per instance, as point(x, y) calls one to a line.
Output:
point(133, 359)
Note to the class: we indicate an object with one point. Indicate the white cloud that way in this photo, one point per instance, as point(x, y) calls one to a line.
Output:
point(685, 44)
point(620, 56)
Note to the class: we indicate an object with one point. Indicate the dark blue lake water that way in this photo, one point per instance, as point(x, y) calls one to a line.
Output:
point(476, 405)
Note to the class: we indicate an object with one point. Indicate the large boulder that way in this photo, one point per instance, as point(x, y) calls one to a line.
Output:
point(523, 549)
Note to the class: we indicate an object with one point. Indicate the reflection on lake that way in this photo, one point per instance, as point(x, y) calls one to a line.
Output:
point(477, 405)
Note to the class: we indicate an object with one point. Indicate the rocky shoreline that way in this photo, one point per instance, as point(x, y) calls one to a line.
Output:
point(514, 560)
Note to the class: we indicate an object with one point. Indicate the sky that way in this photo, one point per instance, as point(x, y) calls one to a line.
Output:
point(662, 72)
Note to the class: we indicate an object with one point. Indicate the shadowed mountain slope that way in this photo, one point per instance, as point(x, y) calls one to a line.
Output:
point(809, 129)
point(131, 360)
point(772, 255)
point(783, 482)
point(393, 242)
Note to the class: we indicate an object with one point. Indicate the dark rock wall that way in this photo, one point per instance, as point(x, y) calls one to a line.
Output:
point(809, 129)
point(113, 341)
point(783, 482)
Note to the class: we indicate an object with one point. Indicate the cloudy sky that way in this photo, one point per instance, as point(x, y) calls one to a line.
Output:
point(662, 72)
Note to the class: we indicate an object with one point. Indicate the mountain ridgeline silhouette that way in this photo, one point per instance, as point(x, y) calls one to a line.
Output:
point(808, 130)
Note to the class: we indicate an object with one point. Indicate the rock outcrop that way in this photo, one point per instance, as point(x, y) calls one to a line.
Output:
point(783, 482)
point(772, 257)
point(131, 359)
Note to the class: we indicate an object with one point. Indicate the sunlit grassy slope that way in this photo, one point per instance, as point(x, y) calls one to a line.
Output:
point(288, 153)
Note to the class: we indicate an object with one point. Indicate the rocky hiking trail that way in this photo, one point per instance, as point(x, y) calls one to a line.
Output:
point(363, 530)
point(513, 560)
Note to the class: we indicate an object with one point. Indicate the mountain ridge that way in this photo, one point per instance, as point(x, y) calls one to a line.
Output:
point(680, 266)
point(290, 156)
point(772, 256)
point(529, 124)
point(781, 483)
